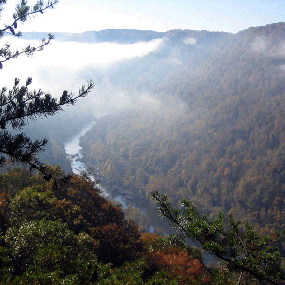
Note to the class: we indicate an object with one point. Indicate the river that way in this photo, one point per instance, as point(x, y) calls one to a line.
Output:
point(73, 151)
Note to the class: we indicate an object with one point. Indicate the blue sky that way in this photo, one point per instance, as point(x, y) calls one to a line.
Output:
point(159, 15)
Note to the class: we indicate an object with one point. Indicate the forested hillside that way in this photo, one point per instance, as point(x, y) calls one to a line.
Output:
point(64, 232)
point(67, 233)
point(213, 131)
point(203, 119)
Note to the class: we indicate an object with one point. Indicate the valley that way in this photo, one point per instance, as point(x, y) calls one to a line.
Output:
point(199, 117)
point(142, 142)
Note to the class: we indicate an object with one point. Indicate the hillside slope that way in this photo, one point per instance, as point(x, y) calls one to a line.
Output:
point(213, 131)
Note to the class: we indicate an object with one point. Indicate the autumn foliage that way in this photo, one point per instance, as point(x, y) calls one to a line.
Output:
point(174, 260)
point(66, 231)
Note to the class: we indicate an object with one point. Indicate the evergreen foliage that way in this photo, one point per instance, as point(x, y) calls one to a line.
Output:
point(239, 246)
point(22, 13)
point(20, 105)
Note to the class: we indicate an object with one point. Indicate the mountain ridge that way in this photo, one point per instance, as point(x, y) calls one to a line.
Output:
point(123, 36)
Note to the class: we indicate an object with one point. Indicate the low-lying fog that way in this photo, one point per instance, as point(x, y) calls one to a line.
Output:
point(69, 65)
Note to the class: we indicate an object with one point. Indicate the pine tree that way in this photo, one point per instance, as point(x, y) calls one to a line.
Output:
point(21, 104)
point(238, 246)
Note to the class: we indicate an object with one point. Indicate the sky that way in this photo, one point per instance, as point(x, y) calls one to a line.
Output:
point(158, 15)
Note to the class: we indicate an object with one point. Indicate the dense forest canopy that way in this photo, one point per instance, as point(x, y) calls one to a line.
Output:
point(68, 233)
point(71, 234)
point(213, 132)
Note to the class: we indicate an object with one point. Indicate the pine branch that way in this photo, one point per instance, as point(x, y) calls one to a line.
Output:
point(22, 104)
point(23, 11)
point(7, 54)
point(243, 250)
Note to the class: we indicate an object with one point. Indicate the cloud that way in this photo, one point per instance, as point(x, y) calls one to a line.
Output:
point(60, 62)
point(76, 55)
point(269, 49)
point(190, 41)
point(259, 44)
point(279, 52)
point(68, 65)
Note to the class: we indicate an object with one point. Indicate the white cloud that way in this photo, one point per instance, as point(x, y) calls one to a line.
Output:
point(68, 65)
point(174, 61)
point(76, 55)
point(60, 62)
point(266, 48)
point(259, 44)
point(190, 41)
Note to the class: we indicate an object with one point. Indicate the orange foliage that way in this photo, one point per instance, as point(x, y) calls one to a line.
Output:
point(3, 200)
point(174, 260)
point(149, 238)
point(181, 264)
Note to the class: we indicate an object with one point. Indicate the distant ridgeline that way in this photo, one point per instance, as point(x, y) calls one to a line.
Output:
point(128, 36)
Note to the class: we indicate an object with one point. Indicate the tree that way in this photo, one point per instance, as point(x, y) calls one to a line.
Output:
point(20, 104)
point(47, 252)
point(239, 246)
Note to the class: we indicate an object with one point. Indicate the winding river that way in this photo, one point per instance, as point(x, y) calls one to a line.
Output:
point(73, 151)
